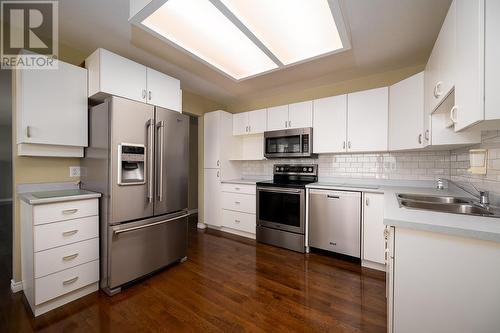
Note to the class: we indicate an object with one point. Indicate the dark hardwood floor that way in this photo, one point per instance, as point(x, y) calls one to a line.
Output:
point(228, 284)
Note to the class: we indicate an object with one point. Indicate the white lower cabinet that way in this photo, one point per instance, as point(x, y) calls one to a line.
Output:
point(238, 209)
point(373, 230)
point(59, 258)
point(212, 197)
point(443, 283)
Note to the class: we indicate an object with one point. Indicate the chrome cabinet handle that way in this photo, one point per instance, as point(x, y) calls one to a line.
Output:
point(438, 93)
point(217, 174)
point(426, 135)
point(143, 93)
point(249, 129)
point(28, 133)
point(218, 162)
point(117, 232)
point(289, 123)
point(343, 145)
point(367, 202)
point(453, 113)
point(149, 128)
point(329, 196)
point(70, 232)
point(237, 188)
point(237, 221)
point(349, 144)
point(286, 124)
point(237, 202)
point(70, 257)
point(420, 138)
point(70, 281)
point(69, 211)
point(150, 95)
point(160, 126)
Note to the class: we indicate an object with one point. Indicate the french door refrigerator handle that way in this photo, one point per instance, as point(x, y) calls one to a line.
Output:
point(150, 129)
point(117, 232)
point(161, 126)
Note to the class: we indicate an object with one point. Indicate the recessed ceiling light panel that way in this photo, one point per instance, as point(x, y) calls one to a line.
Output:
point(293, 30)
point(200, 28)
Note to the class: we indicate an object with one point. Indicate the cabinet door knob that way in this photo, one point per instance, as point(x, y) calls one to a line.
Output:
point(420, 138)
point(453, 114)
point(28, 134)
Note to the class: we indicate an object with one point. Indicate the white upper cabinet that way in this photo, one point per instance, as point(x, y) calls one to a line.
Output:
point(252, 122)
point(441, 69)
point(300, 114)
point(111, 74)
point(257, 121)
point(330, 124)
point(163, 90)
point(406, 111)
point(367, 120)
point(212, 139)
point(477, 100)
point(277, 118)
point(51, 109)
point(240, 123)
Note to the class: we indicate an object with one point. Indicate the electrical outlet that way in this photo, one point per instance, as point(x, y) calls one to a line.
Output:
point(74, 171)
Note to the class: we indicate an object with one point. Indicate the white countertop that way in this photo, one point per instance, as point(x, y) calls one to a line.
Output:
point(478, 227)
point(44, 197)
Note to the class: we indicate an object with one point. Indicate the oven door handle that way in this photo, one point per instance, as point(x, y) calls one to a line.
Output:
point(278, 190)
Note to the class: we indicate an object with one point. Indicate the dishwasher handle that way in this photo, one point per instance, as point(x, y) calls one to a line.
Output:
point(330, 196)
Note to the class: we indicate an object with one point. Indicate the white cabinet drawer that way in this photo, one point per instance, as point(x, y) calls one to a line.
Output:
point(57, 284)
point(61, 211)
point(64, 257)
point(66, 232)
point(238, 188)
point(239, 202)
point(239, 221)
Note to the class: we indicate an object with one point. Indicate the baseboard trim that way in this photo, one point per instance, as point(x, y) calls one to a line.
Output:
point(373, 265)
point(16, 286)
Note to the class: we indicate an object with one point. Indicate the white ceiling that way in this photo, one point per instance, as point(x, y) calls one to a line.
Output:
point(385, 35)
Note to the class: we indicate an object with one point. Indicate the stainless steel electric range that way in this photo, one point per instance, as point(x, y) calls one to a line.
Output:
point(281, 206)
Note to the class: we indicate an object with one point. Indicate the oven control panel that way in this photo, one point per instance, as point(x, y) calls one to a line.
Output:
point(296, 169)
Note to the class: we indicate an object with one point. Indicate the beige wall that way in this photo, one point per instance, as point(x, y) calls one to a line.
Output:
point(343, 87)
point(38, 169)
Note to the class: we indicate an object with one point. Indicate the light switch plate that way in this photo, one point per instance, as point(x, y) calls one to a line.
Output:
point(74, 171)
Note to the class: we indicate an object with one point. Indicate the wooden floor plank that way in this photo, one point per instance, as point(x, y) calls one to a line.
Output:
point(228, 284)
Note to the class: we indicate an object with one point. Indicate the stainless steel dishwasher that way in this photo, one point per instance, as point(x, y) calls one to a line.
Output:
point(335, 221)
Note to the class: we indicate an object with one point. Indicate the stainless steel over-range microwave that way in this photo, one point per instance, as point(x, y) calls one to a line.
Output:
point(288, 143)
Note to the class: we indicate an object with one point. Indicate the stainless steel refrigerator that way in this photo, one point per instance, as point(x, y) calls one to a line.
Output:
point(138, 159)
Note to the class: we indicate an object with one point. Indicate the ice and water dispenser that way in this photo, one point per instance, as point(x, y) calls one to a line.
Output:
point(131, 160)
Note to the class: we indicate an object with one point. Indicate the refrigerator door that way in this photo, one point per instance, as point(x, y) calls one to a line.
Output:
point(131, 177)
point(172, 161)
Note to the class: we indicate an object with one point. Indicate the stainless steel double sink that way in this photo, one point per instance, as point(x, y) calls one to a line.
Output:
point(446, 204)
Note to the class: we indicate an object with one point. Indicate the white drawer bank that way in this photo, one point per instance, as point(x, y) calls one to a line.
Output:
point(238, 209)
point(59, 248)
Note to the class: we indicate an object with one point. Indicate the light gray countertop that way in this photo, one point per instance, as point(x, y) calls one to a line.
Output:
point(478, 227)
point(244, 181)
point(61, 195)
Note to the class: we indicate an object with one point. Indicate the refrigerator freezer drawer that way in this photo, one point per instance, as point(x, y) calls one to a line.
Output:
point(140, 248)
point(335, 221)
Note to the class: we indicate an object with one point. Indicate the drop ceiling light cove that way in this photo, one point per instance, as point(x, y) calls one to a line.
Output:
point(243, 38)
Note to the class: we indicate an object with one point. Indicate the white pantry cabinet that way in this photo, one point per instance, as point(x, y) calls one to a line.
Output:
point(212, 209)
point(373, 228)
point(477, 101)
point(251, 122)
point(111, 74)
point(51, 110)
point(330, 124)
point(367, 120)
point(406, 113)
point(440, 71)
point(443, 283)
point(212, 139)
